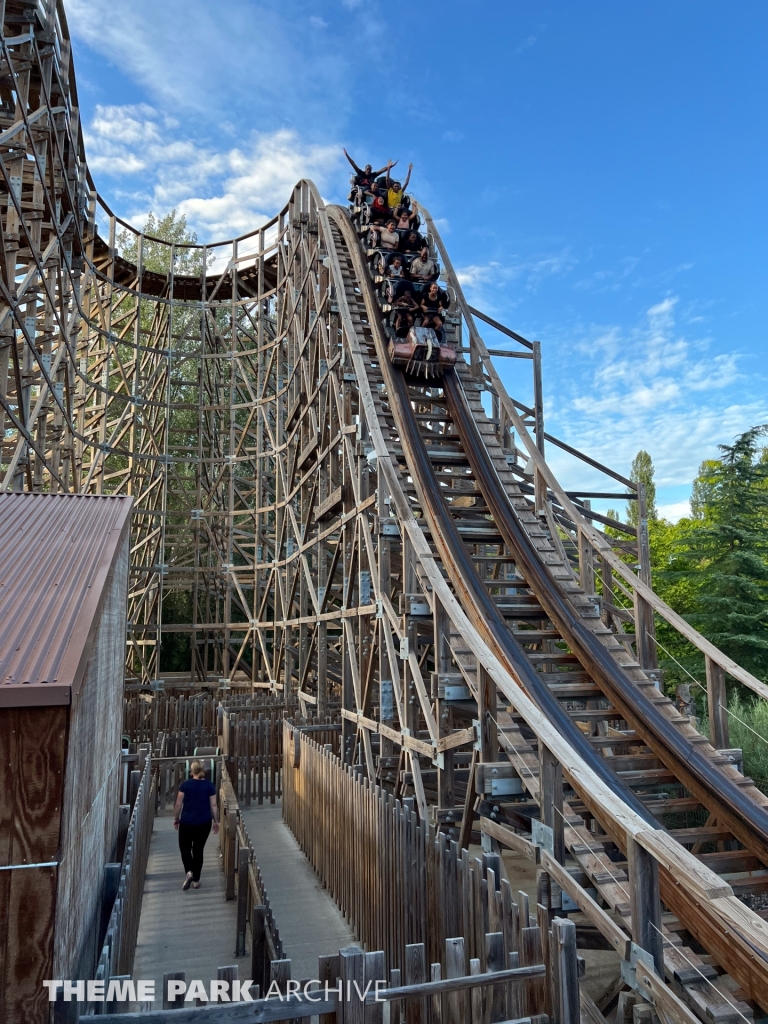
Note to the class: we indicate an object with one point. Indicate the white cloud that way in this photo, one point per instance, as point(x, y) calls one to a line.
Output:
point(240, 58)
point(223, 192)
point(483, 278)
point(674, 512)
point(650, 387)
point(476, 274)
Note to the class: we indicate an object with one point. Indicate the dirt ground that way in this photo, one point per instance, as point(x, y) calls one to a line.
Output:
point(602, 966)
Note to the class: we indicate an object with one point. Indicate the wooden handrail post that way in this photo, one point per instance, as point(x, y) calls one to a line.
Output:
point(259, 947)
point(645, 626)
point(229, 854)
point(643, 872)
point(242, 899)
point(539, 491)
point(487, 711)
point(538, 397)
point(551, 775)
point(586, 564)
point(717, 705)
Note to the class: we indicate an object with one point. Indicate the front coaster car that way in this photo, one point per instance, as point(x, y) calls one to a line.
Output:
point(421, 354)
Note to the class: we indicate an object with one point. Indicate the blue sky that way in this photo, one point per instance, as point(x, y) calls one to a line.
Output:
point(598, 171)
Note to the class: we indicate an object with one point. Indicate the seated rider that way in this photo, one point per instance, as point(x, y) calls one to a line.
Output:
point(404, 308)
point(395, 269)
point(412, 242)
point(388, 236)
point(403, 323)
point(367, 175)
point(423, 268)
point(376, 195)
point(396, 191)
point(407, 220)
point(433, 302)
point(401, 296)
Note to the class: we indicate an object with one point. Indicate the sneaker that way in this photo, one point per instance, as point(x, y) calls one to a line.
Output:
point(195, 885)
point(187, 880)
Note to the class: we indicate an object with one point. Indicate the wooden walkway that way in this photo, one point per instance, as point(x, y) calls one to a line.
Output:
point(310, 923)
point(194, 931)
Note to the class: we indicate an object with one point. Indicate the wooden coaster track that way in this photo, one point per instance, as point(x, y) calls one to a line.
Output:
point(310, 521)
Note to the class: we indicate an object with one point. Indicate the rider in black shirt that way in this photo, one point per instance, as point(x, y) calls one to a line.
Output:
point(366, 176)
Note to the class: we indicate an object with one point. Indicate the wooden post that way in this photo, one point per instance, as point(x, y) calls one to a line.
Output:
point(415, 974)
point(229, 855)
point(242, 899)
point(645, 628)
point(539, 492)
point(465, 832)
point(551, 776)
point(259, 946)
point(486, 708)
point(717, 704)
point(586, 566)
point(564, 972)
point(375, 970)
point(228, 974)
point(455, 968)
point(538, 397)
point(494, 959)
point(446, 795)
point(328, 974)
point(643, 872)
point(177, 1003)
point(351, 970)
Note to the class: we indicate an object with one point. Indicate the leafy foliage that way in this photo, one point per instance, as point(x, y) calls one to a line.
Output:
point(729, 549)
point(642, 473)
point(712, 568)
point(156, 255)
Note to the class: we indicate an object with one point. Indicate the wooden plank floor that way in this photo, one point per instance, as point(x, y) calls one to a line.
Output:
point(192, 931)
point(309, 921)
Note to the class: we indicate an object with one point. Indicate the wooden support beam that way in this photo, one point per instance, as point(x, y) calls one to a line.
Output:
point(643, 872)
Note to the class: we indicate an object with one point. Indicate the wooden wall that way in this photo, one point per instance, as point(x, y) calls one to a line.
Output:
point(59, 802)
point(32, 756)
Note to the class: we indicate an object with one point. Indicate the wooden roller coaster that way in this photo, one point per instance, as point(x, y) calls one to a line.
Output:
point(310, 520)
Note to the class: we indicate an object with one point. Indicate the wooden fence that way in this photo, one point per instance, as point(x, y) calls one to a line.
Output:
point(183, 722)
point(116, 957)
point(396, 879)
point(246, 730)
point(352, 987)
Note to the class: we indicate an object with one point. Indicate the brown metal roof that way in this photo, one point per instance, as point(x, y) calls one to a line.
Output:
point(56, 554)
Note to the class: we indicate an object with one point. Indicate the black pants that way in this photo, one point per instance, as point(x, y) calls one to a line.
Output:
point(191, 844)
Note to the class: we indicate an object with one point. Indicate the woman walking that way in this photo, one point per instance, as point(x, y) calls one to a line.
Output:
point(194, 811)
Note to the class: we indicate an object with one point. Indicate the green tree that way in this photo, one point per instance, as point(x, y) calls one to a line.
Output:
point(179, 333)
point(730, 551)
point(171, 229)
point(642, 473)
point(703, 489)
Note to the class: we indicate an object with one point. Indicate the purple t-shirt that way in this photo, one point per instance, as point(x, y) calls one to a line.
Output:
point(197, 796)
